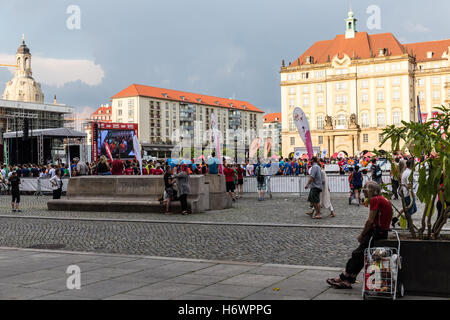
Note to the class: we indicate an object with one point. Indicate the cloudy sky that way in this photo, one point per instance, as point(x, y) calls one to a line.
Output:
point(227, 48)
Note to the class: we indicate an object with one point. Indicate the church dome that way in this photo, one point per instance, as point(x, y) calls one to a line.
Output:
point(23, 87)
point(23, 49)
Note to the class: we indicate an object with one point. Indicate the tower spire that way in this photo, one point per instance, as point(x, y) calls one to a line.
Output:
point(350, 23)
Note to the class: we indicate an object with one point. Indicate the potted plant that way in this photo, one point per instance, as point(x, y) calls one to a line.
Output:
point(427, 252)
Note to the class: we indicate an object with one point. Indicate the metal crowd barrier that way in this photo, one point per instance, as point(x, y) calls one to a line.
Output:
point(296, 184)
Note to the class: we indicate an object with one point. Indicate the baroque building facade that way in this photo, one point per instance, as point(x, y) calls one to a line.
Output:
point(355, 85)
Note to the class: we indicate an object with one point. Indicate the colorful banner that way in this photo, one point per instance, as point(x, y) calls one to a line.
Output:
point(217, 145)
point(137, 151)
point(5, 153)
point(301, 122)
point(108, 151)
point(424, 117)
point(419, 113)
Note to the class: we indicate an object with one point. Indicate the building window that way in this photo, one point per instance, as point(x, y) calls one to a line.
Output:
point(436, 95)
point(381, 120)
point(364, 70)
point(365, 84)
point(305, 75)
point(291, 90)
point(436, 80)
point(396, 95)
point(320, 122)
point(365, 120)
point(305, 89)
point(119, 112)
point(380, 137)
point(320, 139)
point(422, 96)
point(119, 104)
point(344, 99)
point(380, 83)
point(396, 81)
point(365, 97)
point(130, 103)
point(320, 74)
point(420, 82)
point(365, 138)
point(319, 88)
point(379, 68)
point(306, 101)
point(320, 100)
point(291, 103)
point(341, 86)
point(341, 120)
point(396, 118)
point(380, 96)
point(292, 141)
point(338, 99)
point(291, 124)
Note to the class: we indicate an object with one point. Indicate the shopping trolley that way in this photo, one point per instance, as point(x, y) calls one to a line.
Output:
point(381, 271)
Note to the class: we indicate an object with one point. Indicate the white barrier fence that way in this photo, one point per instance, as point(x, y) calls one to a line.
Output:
point(296, 184)
point(42, 185)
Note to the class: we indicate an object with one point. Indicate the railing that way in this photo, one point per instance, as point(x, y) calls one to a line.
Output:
point(296, 184)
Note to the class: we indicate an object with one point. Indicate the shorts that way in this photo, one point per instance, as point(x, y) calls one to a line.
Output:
point(230, 186)
point(16, 197)
point(240, 181)
point(314, 195)
point(262, 185)
point(169, 193)
point(413, 209)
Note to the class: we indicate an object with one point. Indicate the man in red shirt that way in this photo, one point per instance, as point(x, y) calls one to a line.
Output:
point(117, 167)
point(229, 179)
point(377, 226)
point(341, 165)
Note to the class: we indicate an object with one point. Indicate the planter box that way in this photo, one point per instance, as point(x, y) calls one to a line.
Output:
point(425, 268)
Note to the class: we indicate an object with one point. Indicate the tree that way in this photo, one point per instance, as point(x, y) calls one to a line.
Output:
point(428, 142)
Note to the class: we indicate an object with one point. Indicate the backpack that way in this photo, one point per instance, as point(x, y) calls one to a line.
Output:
point(259, 176)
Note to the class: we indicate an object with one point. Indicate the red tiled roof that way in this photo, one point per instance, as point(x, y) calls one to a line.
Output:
point(272, 117)
point(174, 95)
point(421, 49)
point(363, 45)
point(102, 111)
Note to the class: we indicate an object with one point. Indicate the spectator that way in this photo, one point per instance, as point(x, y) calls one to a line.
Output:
point(357, 182)
point(117, 167)
point(183, 187)
point(14, 182)
point(103, 167)
point(229, 179)
point(56, 183)
point(377, 225)
point(315, 181)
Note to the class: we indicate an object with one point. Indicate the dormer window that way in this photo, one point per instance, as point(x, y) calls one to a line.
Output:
point(382, 52)
point(216, 102)
point(165, 95)
point(430, 54)
point(243, 106)
point(199, 100)
point(231, 105)
point(309, 60)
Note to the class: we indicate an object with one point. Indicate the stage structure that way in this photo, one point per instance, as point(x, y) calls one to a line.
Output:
point(44, 146)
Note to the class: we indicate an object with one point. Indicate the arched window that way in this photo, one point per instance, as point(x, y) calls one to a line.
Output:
point(381, 122)
point(27, 63)
point(365, 123)
point(320, 122)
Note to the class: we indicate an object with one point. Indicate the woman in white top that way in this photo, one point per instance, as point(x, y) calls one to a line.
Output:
point(56, 183)
point(325, 198)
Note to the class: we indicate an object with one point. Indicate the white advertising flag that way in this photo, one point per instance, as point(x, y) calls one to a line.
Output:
point(137, 151)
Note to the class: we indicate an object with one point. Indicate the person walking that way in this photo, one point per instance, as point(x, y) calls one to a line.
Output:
point(325, 195)
point(395, 177)
point(240, 180)
point(183, 179)
point(377, 225)
point(261, 182)
point(376, 172)
point(229, 179)
point(408, 187)
point(57, 184)
point(315, 181)
point(357, 182)
point(14, 182)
